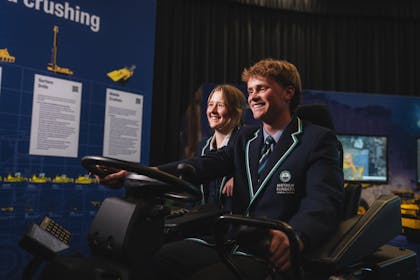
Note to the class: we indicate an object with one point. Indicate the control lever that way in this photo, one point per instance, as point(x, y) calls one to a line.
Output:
point(186, 171)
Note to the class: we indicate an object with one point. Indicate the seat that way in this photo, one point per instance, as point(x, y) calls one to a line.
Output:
point(319, 114)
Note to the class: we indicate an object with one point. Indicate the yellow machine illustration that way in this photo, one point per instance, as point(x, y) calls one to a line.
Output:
point(85, 180)
point(6, 57)
point(16, 178)
point(39, 179)
point(123, 74)
point(52, 66)
point(62, 179)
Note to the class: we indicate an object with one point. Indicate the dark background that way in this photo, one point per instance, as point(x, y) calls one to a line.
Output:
point(343, 46)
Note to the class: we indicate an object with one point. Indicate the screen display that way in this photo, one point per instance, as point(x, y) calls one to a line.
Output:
point(365, 158)
point(418, 160)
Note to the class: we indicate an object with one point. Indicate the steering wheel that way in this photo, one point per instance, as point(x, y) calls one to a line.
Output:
point(155, 181)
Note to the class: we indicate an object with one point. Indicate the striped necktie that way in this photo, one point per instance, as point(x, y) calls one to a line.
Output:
point(265, 153)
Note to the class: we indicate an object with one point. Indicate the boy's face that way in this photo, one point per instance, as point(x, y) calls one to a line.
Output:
point(267, 99)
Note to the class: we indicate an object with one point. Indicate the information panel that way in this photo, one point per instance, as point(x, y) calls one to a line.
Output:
point(123, 119)
point(55, 117)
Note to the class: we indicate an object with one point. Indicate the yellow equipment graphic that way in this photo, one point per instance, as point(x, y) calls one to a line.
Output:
point(123, 74)
point(39, 179)
point(52, 66)
point(62, 179)
point(85, 180)
point(14, 178)
point(6, 57)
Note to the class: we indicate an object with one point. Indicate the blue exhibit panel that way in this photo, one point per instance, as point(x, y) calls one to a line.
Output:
point(93, 39)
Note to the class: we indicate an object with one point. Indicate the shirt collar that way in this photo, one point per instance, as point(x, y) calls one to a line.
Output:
point(224, 142)
point(276, 136)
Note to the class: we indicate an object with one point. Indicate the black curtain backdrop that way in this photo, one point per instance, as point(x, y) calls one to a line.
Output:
point(351, 46)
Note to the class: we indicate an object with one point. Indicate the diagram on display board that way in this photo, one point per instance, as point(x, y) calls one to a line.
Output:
point(122, 75)
point(6, 57)
point(52, 66)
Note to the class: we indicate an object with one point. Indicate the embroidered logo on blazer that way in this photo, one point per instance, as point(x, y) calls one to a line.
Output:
point(285, 187)
point(285, 176)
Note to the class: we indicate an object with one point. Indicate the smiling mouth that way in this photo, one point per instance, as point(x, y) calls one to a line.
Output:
point(257, 106)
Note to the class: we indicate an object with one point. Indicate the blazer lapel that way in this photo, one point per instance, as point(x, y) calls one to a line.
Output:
point(251, 160)
point(287, 142)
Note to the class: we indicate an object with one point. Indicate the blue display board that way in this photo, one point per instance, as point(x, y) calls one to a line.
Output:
point(93, 40)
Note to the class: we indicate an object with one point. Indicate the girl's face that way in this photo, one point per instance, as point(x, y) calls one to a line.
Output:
point(217, 112)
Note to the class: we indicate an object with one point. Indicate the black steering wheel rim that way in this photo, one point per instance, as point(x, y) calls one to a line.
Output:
point(178, 189)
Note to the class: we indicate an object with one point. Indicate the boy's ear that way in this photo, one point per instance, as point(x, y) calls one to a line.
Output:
point(290, 92)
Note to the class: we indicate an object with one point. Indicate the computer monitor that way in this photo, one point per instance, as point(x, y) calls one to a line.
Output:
point(365, 158)
point(418, 160)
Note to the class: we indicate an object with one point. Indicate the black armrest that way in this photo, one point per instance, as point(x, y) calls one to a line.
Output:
point(359, 236)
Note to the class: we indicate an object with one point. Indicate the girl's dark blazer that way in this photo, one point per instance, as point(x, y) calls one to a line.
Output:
point(212, 191)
